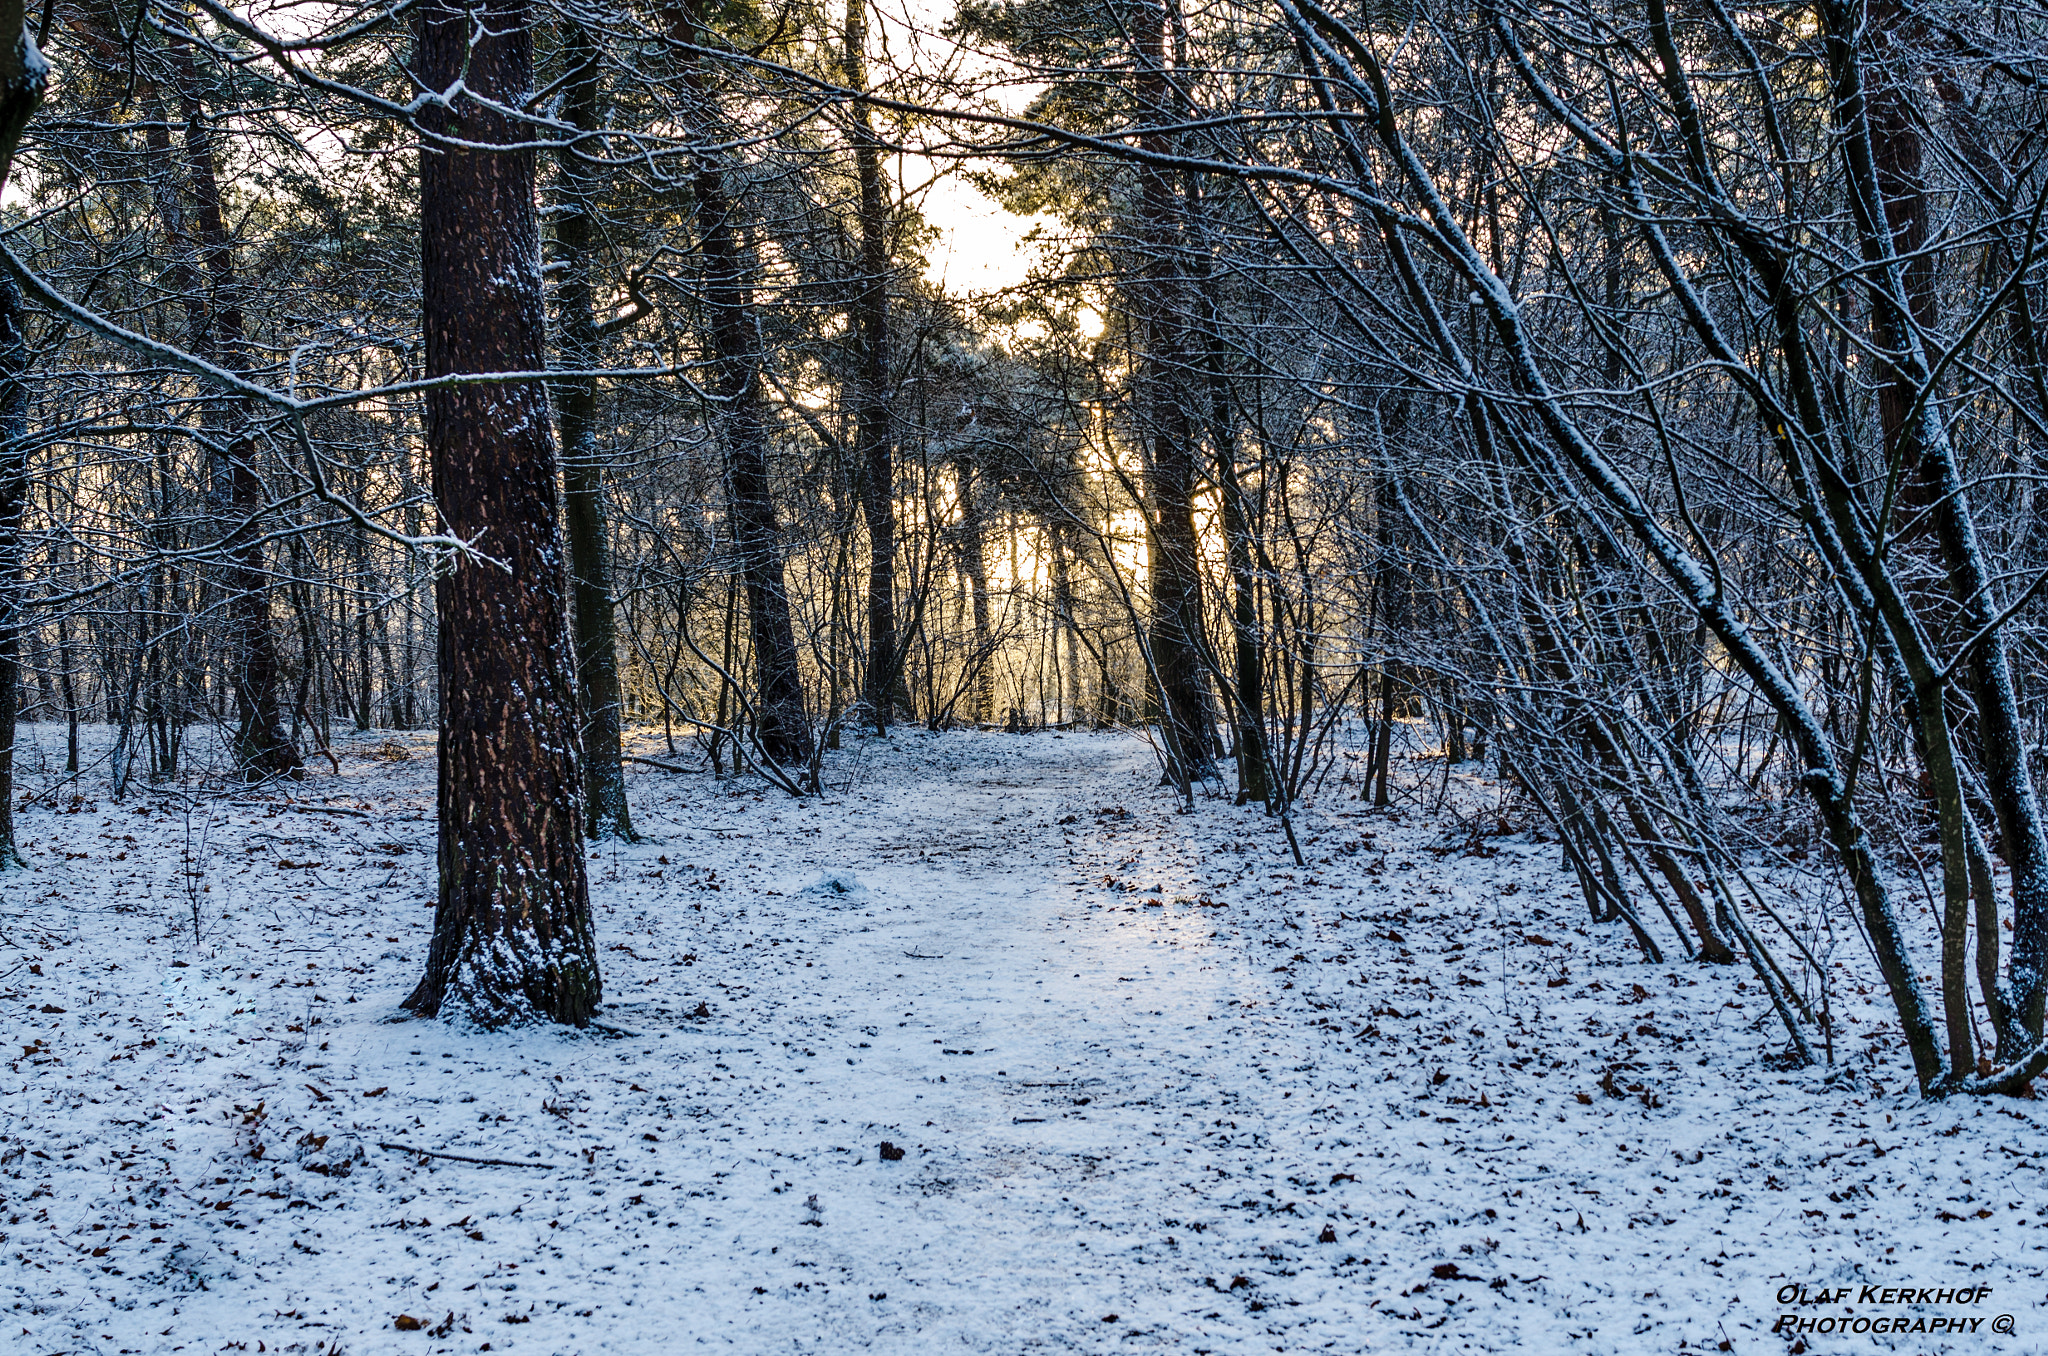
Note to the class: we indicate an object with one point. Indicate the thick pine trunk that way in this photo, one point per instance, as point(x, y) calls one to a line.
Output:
point(23, 77)
point(513, 939)
point(874, 437)
point(1176, 581)
point(1174, 557)
point(590, 566)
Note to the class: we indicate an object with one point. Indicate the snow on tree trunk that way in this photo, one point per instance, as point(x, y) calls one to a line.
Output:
point(512, 936)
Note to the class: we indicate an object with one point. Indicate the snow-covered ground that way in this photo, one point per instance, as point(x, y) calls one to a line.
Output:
point(1156, 1088)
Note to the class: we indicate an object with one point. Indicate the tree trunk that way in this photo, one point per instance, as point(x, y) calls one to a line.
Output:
point(14, 487)
point(1390, 583)
point(1074, 708)
point(1248, 709)
point(874, 439)
point(590, 567)
point(67, 685)
point(974, 566)
point(1174, 557)
point(235, 490)
point(1883, 155)
point(23, 76)
point(365, 674)
point(728, 300)
point(513, 940)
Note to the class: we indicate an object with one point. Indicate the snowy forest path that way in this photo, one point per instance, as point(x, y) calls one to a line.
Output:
point(1050, 1037)
point(1139, 1064)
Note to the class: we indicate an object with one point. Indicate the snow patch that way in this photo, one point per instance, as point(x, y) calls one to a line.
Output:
point(839, 888)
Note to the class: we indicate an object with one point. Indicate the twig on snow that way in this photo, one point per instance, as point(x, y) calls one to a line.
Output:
point(464, 1158)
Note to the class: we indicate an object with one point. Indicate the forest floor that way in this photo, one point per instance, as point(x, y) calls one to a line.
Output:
point(1139, 1064)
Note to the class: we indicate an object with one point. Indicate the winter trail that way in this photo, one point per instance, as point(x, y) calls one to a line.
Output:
point(1155, 1087)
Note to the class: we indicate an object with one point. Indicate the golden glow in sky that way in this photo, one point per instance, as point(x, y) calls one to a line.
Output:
point(981, 246)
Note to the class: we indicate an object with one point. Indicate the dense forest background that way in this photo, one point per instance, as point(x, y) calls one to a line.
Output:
point(1650, 399)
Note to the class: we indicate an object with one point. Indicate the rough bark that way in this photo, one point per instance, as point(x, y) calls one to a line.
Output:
point(1174, 557)
point(513, 939)
point(874, 438)
point(23, 77)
